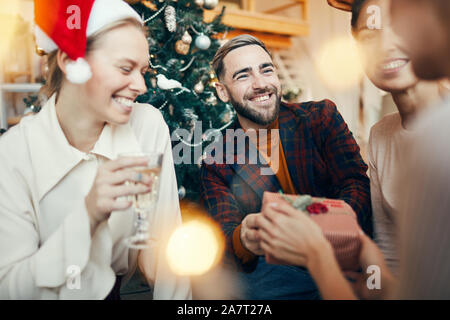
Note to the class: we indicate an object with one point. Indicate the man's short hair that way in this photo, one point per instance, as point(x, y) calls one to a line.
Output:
point(237, 42)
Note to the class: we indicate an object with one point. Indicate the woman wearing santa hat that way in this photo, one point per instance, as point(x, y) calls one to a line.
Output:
point(63, 219)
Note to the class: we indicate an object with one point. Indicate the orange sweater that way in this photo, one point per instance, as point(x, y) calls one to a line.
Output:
point(279, 166)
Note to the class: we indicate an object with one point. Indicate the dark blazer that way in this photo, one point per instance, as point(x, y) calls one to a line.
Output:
point(323, 160)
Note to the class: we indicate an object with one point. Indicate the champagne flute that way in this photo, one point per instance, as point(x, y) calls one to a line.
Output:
point(144, 204)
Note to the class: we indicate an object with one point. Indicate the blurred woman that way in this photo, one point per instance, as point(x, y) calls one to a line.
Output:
point(388, 66)
point(293, 238)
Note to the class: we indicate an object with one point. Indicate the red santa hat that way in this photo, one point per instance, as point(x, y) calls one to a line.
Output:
point(66, 25)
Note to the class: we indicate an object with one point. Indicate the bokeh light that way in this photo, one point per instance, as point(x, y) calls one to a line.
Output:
point(339, 64)
point(9, 18)
point(195, 248)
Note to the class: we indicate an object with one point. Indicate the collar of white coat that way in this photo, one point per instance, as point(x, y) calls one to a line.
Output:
point(53, 157)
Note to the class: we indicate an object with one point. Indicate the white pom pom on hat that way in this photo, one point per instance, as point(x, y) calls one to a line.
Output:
point(66, 24)
point(78, 71)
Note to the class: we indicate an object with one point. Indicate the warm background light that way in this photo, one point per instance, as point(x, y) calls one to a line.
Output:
point(9, 18)
point(339, 64)
point(194, 248)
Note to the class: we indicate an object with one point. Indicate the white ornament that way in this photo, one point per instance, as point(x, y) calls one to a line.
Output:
point(199, 87)
point(186, 38)
point(167, 84)
point(78, 71)
point(199, 2)
point(181, 192)
point(171, 18)
point(202, 42)
point(212, 100)
point(210, 4)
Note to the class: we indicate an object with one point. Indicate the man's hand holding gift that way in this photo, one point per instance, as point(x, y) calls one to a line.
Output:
point(249, 234)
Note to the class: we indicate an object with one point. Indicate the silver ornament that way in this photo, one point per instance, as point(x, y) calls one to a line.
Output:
point(199, 87)
point(181, 192)
point(210, 4)
point(212, 100)
point(153, 82)
point(186, 38)
point(170, 18)
point(199, 2)
point(202, 42)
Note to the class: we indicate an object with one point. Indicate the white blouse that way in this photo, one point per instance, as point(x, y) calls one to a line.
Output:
point(44, 226)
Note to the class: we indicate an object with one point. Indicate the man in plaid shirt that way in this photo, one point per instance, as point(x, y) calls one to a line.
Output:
point(315, 154)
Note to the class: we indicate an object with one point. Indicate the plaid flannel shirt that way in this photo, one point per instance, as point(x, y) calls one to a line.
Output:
point(323, 160)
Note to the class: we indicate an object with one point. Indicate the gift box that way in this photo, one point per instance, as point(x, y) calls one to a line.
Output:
point(336, 219)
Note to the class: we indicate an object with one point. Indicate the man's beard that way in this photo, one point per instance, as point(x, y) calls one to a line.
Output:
point(254, 115)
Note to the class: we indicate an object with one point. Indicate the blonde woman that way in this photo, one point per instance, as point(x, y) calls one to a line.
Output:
point(62, 213)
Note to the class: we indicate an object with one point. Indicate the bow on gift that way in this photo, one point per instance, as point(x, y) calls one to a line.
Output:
point(345, 5)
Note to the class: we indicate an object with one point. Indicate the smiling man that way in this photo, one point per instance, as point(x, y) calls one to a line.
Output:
point(315, 154)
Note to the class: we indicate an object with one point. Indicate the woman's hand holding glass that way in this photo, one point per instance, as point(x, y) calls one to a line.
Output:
point(109, 191)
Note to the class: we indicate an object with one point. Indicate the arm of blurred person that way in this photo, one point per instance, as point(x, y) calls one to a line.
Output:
point(289, 237)
point(384, 225)
point(424, 240)
point(371, 255)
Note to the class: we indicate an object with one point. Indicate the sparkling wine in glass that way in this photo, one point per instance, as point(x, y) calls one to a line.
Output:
point(144, 204)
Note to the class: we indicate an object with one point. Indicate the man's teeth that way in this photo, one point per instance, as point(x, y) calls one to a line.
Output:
point(126, 102)
point(394, 64)
point(261, 99)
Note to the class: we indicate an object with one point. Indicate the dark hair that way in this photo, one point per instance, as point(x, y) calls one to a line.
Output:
point(356, 10)
point(237, 42)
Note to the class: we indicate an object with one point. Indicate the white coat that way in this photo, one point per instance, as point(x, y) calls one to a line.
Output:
point(44, 227)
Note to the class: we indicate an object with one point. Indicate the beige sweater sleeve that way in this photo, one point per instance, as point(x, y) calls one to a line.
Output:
point(384, 226)
point(425, 220)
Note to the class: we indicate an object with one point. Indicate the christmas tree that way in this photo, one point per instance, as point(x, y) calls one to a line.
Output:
point(181, 80)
